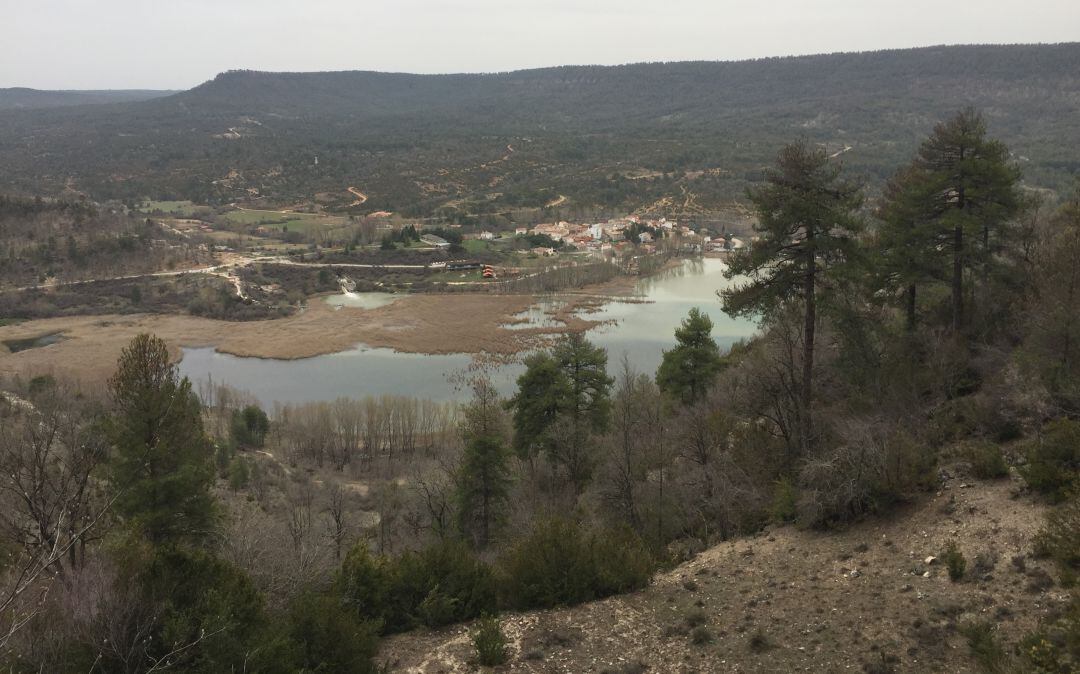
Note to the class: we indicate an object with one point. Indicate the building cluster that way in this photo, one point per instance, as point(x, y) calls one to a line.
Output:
point(608, 238)
point(611, 236)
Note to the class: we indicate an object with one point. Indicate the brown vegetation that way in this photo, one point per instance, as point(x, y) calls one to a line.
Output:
point(790, 599)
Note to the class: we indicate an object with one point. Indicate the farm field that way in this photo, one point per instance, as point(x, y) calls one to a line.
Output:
point(177, 208)
point(293, 222)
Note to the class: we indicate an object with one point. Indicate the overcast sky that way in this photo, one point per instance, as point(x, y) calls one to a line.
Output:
point(175, 44)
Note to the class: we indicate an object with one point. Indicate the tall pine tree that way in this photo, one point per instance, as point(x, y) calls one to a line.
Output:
point(973, 198)
point(562, 398)
point(907, 244)
point(161, 460)
point(807, 224)
point(483, 480)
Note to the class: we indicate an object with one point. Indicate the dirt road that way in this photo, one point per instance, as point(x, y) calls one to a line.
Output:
point(226, 269)
point(361, 198)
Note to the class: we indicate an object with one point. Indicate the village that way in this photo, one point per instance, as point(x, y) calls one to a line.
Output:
point(612, 238)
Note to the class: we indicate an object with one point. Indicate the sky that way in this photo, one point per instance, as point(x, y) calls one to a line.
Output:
point(177, 44)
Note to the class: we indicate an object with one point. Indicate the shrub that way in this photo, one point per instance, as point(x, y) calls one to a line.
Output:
point(871, 469)
point(41, 383)
point(759, 642)
point(549, 567)
point(560, 563)
point(446, 583)
point(954, 562)
point(249, 426)
point(987, 461)
point(696, 618)
point(985, 561)
point(201, 597)
point(364, 582)
point(1059, 539)
point(621, 562)
point(785, 498)
point(239, 473)
point(700, 636)
point(1054, 459)
point(442, 584)
point(1055, 646)
point(490, 642)
point(325, 637)
point(984, 646)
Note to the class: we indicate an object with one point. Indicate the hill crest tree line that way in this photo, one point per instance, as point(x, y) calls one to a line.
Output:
point(941, 325)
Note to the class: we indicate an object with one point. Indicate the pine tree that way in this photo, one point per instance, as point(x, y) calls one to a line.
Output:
point(584, 366)
point(539, 399)
point(973, 194)
point(909, 253)
point(161, 461)
point(483, 480)
point(689, 369)
point(562, 398)
point(807, 225)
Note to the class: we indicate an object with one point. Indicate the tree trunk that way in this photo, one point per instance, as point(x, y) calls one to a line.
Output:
point(486, 525)
point(911, 308)
point(807, 390)
point(958, 257)
point(958, 279)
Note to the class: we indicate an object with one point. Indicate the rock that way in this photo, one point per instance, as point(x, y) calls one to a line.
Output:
point(930, 560)
point(926, 575)
point(854, 573)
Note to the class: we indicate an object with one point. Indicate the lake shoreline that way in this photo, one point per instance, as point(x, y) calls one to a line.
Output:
point(421, 323)
point(638, 324)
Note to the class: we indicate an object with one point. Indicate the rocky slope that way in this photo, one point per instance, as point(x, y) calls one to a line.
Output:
point(861, 599)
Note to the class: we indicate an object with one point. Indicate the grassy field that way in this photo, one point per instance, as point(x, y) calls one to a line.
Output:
point(180, 208)
point(294, 222)
point(476, 245)
point(450, 276)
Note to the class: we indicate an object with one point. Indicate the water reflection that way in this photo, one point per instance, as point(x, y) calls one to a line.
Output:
point(641, 328)
point(371, 300)
point(539, 315)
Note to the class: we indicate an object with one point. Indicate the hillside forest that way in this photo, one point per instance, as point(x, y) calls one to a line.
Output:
point(660, 139)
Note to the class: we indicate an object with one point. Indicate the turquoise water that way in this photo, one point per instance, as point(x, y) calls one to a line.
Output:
point(641, 329)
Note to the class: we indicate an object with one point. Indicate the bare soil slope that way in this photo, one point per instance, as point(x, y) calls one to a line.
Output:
point(793, 600)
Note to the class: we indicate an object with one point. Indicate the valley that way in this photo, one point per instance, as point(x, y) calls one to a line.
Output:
point(759, 365)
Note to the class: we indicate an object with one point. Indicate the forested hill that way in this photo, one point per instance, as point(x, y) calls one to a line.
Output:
point(681, 137)
point(666, 93)
point(22, 98)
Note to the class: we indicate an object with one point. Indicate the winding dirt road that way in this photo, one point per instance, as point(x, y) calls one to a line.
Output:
point(361, 198)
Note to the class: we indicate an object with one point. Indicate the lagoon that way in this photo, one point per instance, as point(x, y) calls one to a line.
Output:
point(640, 326)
